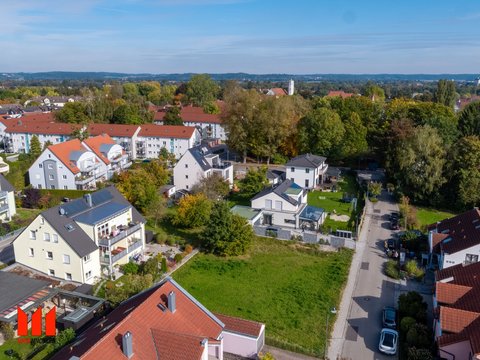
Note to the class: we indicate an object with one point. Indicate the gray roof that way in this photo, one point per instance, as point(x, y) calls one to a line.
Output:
point(102, 212)
point(307, 160)
point(311, 213)
point(280, 191)
point(105, 148)
point(72, 233)
point(19, 287)
point(199, 153)
point(275, 174)
point(75, 155)
point(333, 171)
point(5, 185)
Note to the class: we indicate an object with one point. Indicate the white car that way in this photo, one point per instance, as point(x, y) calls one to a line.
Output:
point(388, 341)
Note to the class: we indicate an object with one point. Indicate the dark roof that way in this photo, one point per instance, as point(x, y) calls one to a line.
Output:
point(101, 212)
point(240, 326)
point(307, 160)
point(19, 287)
point(333, 171)
point(71, 232)
point(463, 231)
point(275, 174)
point(460, 274)
point(199, 153)
point(5, 185)
point(280, 190)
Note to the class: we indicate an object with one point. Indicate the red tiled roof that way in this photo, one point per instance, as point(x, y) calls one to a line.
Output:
point(471, 333)
point(118, 130)
point(174, 346)
point(192, 114)
point(33, 127)
point(436, 240)
point(62, 152)
point(455, 320)
point(341, 93)
point(466, 275)
point(240, 326)
point(450, 293)
point(167, 131)
point(94, 143)
point(463, 229)
point(278, 91)
point(142, 317)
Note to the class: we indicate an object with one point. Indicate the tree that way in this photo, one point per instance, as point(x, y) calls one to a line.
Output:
point(469, 119)
point(354, 142)
point(375, 92)
point(193, 211)
point(164, 265)
point(158, 171)
point(72, 112)
point(201, 90)
point(172, 116)
point(411, 304)
point(167, 157)
point(7, 330)
point(127, 114)
point(445, 93)
point(226, 234)
point(35, 147)
point(138, 187)
point(420, 159)
point(466, 171)
point(64, 337)
point(31, 198)
point(80, 133)
point(130, 268)
point(214, 187)
point(375, 188)
point(46, 144)
point(156, 210)
point(419, 354)
point(320, 132)
point(254, 181)
point(211, 108)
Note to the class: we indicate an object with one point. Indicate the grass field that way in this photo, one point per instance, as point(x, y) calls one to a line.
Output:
point(428, 216)
point(22, 349)
point(287, 286)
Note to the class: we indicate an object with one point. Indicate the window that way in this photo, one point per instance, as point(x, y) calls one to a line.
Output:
point(306, 183)
point(66, 259)
point(33, 235)
point(49, 255)
point(186, 166)
point(51, 177)
point(292, 169)
point(49, 156)
point(55, 238)
point(103, 229)
point(52, 187)
point(88, 274)
point(470, 258)
point(289, 221)
point(40, 166)
point(268, 204)
point(51, 272)
point(31, 252)
point(39, 186)
point(307, 171)
point(86, 258)
point(50, 166)
point(64, 177)
point(42, 221)
point(186, 186)
point(46, 236)
point(65, 187)
point(68, 276)
point(278, 205)
point(186, 176)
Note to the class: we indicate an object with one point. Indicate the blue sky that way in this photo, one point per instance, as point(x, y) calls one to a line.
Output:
point(262, 36)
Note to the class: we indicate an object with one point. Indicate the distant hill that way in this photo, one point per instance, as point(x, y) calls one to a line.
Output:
point(70, 75)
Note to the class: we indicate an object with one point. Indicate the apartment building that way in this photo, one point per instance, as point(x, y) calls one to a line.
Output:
point(7, 200)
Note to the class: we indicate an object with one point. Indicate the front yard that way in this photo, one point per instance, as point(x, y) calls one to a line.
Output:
point(286, 285)
point(428, 216)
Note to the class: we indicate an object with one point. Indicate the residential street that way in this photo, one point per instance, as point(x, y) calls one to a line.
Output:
point(6, 250)
point(358, 325)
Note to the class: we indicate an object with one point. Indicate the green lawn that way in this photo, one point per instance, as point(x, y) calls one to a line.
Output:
point(22, 349)
point(428, 216)
point(287, 286)
point(334, 225)
point(24, 214)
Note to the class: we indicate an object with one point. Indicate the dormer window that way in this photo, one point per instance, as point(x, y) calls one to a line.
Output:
point(292, 169)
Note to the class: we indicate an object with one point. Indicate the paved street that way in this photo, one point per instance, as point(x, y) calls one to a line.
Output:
point(356, 332)
point(6, 251)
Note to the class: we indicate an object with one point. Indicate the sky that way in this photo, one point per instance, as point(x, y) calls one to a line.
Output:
point(254, 36)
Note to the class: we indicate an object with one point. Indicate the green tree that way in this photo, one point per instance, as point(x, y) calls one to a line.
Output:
point(138, 187)
point(214, 187)
point(127, 114)
point(130, 268)
point(193, 211)
point(172, 116)
point(164, 265)
point(64, 337)
point(469, 119)
point(72, 112)
point(46, 144)
point(156, 210)
point(411, 304)
point(211, 108)
point(167, 157)
point(254, 181)
point(375, 188)
point(445, 93)
point(420, 158)
point(201, 90)
point(158, 171)
point(80, 133)
point(355, 139)
point(7, 330)
point(226, 234)
point(35, 147)
point(466, 171)
point(375, 92)
point(145, 88)
point(320, 132)
point(130, 89)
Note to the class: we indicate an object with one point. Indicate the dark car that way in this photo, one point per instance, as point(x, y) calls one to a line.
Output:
point(394, 216)
point(391, 244)
point(394, 225)
point(389, 317)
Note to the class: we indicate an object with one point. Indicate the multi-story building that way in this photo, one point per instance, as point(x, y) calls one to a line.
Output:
point(124, 135)
point(7, 200)
point(83, 239)
point(198, 163)
point(307, 170)
point(76, 165)
point(176, 139)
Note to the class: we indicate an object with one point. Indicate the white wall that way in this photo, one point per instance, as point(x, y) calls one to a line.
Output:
point(259, 203)
point(239, 344)
point(37, 174)
point(459, 257)
point(187, 172)
point(178, 147)
point(460, 350)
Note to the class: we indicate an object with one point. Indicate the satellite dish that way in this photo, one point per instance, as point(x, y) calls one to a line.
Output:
point(61, 211)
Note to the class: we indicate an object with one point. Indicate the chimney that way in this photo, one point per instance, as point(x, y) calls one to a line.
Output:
point(127, 344)
point(171, 302)
point(88, 199)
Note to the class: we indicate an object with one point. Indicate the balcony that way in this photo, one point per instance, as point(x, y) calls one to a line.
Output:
point(118, 253)
point(82, 180)
point(127, 165)
point(90, 168)
point(3, 208)
point(223, 165)
point(137, 244)
point(124, 231)
point(119, 158)
point(3, 194)
point(140, 144)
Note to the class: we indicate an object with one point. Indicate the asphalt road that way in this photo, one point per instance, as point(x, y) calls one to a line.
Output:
point(372, 291)
point(6, 251)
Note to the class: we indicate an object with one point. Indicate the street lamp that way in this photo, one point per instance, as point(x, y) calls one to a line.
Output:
point(333, 310)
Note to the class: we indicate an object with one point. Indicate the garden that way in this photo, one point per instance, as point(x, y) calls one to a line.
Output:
point(286, 285)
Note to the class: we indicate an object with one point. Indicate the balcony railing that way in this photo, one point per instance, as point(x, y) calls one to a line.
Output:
point(118, 256)
point(82, 180)
point(119, 158)
point(111, 240)
point(223, 165)
point(127, 165)
point(137, 244)
point(3, 207)
point(90, 168)
point(3, 194)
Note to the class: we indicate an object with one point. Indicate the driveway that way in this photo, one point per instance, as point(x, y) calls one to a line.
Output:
point(356, 332)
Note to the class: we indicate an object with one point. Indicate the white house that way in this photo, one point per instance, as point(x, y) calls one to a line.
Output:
point(455, 241)
point(198, 163)
point(285, 205)
point(83, 239)
point(176, 139)
point(210, 125)
point(7, 200)
point(55, 101)
point(109, 152)
point(307, 170)
point(123, 135)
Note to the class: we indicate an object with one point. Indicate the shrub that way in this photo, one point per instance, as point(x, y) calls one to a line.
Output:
point(7, 330)
point(413, 270)
point(170, 241)
point(178, 258)
point(266, 356)
point(271, 233)
point(406, 323)
point(164, 265)
point(392, 270)
point(411, 304)
point(161, 238)
point(130, 268)
point(419, 354)
point(418, 336)
point(179, 241)
point(64, 337)
point(188, 249)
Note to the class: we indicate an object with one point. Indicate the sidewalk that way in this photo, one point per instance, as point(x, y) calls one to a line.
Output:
point(281, 354)
point(338, 335)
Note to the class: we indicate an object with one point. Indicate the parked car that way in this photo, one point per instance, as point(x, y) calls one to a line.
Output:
point(394, 216)
point(389, 317)
point(391, 244)
point(394, 225)
point(388, 341)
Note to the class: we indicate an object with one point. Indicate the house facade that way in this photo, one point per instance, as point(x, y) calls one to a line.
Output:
point(7, 200)
point(197, 163)
point(124, 135)
point(176, 139)
point(84, 239)
point(165, 322)
point(307, 170)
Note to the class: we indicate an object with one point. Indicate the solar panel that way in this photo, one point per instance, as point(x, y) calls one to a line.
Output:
point(100, 197)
